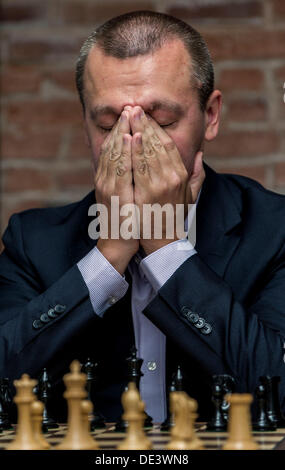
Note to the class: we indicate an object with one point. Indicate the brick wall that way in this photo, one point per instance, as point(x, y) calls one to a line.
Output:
point(45, 160)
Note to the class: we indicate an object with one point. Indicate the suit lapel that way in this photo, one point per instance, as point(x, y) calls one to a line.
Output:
point(218, 222)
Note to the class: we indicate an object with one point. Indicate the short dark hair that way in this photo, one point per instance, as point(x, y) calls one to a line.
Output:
point(143, 32)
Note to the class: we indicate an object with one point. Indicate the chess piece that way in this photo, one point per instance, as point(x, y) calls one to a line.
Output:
point(218, 422)
point(183, 436)
point(37, 408)
point(75, 382)
point(262, 422)
point(86, 410)
point(97, 419)
point(24, 439)
point(43, 390)
point(239, 427)
point(5, 404)
point(273, 403)
point(228, 385)
point(178, 378)
point(134, 414)
point(195, 442)
point(175, 386)
point(134, 364)
point(169, 421)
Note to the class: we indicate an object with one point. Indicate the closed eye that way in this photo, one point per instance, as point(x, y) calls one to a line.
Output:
point(105, 129)
point(167, 125)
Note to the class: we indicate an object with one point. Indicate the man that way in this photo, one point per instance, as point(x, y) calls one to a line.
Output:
point(146, 84)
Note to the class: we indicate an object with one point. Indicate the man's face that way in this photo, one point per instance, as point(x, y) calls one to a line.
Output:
point(159, 83)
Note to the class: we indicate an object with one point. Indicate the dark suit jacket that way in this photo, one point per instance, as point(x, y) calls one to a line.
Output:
point(236, 283)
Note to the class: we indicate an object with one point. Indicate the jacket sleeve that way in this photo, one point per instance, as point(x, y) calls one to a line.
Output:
point(27, 343)
point(219, 333)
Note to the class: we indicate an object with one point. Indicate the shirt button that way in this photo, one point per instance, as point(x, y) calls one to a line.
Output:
point(151, 365)
point(112, 300)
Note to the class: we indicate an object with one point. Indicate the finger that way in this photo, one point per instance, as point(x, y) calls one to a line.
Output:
point(169, 146)
point(114, 155)
point(124, 166)
point(102, 161)
point(139, 165)
point(137, 125)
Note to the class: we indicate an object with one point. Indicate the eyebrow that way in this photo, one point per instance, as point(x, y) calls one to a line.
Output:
point(165, 105)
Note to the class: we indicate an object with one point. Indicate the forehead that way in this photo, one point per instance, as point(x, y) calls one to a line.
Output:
point(160, 76)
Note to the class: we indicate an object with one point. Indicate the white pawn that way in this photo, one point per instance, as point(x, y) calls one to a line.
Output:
point(86, 409)
point(37, 408)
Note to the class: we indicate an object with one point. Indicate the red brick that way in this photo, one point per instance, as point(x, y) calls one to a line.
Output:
point(45, 113)
point(98, 12)
point(75, 178)
point(39, 50)
point(242, 143)
point(257, 172)
point(30, 144)
point(240, 79)
point(280, 173)
point(231, 9)
point(78, 148)
point(241, 110)
point(278, 8)
point(26, 179)
point(280, 74)
point(21, 11)
point(246, 44)
point(64, 79)
point(20, 79)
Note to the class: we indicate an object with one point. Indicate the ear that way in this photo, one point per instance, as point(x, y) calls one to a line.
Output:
point(213, 115)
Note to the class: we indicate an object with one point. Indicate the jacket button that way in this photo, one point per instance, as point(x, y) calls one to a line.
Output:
point(206, 330)
point(193, 317)
point(51, 313)
point(59, 308)
point(185, 310)
point(200, 323)
point(37, 324)
point(45, 318)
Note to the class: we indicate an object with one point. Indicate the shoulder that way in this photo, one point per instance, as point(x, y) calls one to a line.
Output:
point(42, 222)
point(248, 189)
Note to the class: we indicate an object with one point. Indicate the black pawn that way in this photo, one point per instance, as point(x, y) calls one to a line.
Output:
point(176, 385)
point(218, 422)
point(262, 422)
point(89, 368)
point(43, 393)
point(5, 404)
point(134, 364)
point(273, 403)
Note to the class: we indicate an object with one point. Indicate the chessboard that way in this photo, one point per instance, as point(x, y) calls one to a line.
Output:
point(109, 439)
